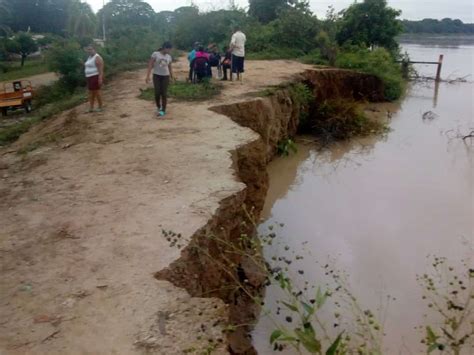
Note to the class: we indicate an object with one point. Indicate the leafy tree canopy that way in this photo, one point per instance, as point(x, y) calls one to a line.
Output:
point(370, 23)
point(22, 44)
point(267, 10)
point(125, 13)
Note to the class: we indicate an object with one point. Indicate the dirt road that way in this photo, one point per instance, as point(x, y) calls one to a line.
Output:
point(81, 219)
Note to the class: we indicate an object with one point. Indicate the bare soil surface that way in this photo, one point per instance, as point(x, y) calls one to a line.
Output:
point(82, 217)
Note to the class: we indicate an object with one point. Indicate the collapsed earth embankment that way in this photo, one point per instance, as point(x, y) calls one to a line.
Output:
point(85, 201)
point(202, 269)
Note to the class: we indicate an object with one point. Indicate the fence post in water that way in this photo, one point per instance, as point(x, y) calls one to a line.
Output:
point(440, 65)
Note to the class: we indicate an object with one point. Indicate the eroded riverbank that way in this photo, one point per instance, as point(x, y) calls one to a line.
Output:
point(376, 208)
point(83, 215)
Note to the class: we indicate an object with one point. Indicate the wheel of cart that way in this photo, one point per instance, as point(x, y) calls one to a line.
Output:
point(16, 95)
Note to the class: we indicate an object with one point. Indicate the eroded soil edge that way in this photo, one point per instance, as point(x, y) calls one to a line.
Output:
point(274, 118)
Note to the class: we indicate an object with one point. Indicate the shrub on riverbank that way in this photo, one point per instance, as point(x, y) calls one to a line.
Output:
point(378, 62)
point(340, 119)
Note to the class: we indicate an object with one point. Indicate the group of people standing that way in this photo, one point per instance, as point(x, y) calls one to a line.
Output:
point(201, 60)
point(160, 65)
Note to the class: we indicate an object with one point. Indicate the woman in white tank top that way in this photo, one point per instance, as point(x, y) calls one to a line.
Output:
point(94, 72)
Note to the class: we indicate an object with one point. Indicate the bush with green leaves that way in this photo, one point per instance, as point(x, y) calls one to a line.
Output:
point(340, 119)
point(378, 62)
point(66, 58)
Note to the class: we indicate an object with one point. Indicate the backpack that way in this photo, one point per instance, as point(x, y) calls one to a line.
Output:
point(214, 59)
point(200, 66)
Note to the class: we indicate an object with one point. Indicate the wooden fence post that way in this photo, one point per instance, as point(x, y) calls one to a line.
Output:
point(440, 65)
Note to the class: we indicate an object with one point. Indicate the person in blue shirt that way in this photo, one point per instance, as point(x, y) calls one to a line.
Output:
point(191, 57)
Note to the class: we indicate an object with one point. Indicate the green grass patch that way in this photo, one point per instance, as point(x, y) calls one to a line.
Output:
point(12, 70)
point(183, 91)
point(50, 106)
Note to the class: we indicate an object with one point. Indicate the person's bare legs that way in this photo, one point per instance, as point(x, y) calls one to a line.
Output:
point(91, 100)
point(99, 99)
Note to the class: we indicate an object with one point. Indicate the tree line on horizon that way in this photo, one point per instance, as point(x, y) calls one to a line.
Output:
point(362, 36)
point(76, 18)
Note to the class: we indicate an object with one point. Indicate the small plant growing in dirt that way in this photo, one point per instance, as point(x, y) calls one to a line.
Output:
point(302, 96)
point(286, 146)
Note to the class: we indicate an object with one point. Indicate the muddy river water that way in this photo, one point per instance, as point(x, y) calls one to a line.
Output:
point(377, 207)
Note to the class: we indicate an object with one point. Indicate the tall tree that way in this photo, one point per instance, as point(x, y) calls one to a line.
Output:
point(118, 14)
point(39, 15)
point(82, 22)
point(22, 44)
point(370, 23)
point(266, 10)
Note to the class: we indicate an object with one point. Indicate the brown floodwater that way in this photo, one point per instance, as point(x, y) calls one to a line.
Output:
point(377, 207)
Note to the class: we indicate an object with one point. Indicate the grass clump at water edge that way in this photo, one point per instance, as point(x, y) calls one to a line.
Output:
point(340, 119)
point(184, 91)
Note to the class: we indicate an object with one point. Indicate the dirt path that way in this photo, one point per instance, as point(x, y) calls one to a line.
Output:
point(82, 217)
point(38, 80)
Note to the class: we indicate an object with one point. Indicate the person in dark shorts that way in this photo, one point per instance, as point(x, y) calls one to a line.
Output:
point(161, 64)
point(226, 63)
point(94, 72)
point(237, 46)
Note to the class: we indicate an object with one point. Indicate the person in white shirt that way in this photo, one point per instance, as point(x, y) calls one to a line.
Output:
point(94, 72)
point(237, 46)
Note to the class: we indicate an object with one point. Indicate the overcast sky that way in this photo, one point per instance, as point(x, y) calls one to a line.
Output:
point(412, 9)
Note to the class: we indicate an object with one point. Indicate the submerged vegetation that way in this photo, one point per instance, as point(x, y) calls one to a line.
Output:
point(339, 119)
point(349, 328)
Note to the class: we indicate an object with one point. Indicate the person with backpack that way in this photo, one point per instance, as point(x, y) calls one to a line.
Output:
point(237, 46)
point(201, 65)
point(161, 64)
point(214, 59)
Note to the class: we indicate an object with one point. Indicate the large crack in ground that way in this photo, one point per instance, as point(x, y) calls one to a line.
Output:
point(274, 118)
